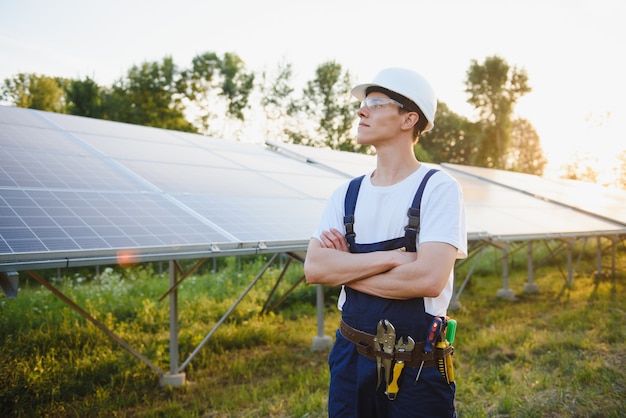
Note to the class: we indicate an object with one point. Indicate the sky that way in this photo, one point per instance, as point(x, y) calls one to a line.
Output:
point(572, 50)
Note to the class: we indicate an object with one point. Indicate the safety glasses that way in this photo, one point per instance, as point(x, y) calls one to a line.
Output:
point(375, 103)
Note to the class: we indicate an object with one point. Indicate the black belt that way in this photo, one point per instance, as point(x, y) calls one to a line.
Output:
point(365, 345)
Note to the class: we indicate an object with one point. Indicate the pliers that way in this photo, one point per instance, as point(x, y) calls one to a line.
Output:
point(385, 341)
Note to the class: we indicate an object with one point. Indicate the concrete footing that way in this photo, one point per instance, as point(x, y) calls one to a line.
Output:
point(321, 343)
point(531, 288)
point(174, 380)
point(507, 294)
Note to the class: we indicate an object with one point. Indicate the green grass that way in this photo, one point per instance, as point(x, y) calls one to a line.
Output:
point(559, 352)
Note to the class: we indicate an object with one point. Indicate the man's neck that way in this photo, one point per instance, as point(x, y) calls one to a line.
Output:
point(393, 167)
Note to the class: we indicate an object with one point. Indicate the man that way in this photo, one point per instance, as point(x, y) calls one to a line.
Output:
point(397, 280)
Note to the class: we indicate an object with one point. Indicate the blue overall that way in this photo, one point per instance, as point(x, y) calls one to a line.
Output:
point(353, 377)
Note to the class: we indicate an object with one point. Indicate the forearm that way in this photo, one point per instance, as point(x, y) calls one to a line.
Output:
point(399, 283)
point(332, 267)
point(425, 277)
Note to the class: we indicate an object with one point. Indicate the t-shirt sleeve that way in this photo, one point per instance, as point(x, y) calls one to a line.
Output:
point(443, 214)
point(332, 216)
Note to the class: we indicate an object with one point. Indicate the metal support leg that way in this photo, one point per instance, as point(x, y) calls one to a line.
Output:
point(570, 270)
point(320, 341)
point(505, 292)
point(614, 242)
point(530, 287)
point(454, 303)
point(174, 377)
point(599, 255)
point(266, 307)
point(9, 283)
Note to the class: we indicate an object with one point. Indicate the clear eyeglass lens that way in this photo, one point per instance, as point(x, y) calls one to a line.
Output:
point(375, 103)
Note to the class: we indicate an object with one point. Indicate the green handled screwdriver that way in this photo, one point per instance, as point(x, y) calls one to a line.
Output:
point(451, 330)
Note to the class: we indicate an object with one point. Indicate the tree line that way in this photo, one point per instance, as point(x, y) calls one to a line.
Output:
point(218, 95)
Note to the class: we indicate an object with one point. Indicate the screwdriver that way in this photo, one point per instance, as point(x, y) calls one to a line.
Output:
point(451, 330)
point(433, 333)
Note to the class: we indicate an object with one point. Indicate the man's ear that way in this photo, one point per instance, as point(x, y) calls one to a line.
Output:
point(410, 119)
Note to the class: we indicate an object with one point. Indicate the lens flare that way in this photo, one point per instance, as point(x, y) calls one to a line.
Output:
point(128, 258)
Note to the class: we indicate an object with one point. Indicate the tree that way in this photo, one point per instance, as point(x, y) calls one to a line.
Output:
point(217, 86)
point(525, 154)
point(276, 91)
point(494, 88)
point(237, 85)
point(326, 112)
point(199, 85)
point(84, 99)
point(453, 140)
point(581, 168)
point(150, 95)
point(34, 91)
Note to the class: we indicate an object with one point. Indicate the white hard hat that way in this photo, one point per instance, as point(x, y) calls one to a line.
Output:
point(406, 83)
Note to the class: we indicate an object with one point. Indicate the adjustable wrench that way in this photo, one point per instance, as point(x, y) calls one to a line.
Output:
point(401, 347)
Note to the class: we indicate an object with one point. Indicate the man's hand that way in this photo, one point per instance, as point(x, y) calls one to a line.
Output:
point(335, 240)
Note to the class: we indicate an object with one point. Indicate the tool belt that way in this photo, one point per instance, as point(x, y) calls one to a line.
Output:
point(365, 346)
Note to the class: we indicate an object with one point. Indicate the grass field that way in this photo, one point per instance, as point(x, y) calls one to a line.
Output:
point(557, 353)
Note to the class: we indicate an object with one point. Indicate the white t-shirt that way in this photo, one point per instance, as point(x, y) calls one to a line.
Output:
point(381, 214)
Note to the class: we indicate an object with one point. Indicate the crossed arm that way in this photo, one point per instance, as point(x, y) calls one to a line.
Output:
point(388, 274)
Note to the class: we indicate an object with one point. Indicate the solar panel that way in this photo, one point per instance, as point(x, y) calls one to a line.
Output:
point(80, 187)
point(34, 168)
point(17, 116)
point(81, 125)
point(500, 213)
point(494, 209)
point(593, 198)
point(351, 164)
point(81, 190)
point(255, 219)
point(39, 221)
point(174, 152)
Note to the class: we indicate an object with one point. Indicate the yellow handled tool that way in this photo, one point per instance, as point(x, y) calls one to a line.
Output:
point(401, 347)
point(393, 389)
point(449, 368)
point(445, 364)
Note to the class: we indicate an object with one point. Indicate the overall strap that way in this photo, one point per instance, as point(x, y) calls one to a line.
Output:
point(412, 230)
point(349, 208)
